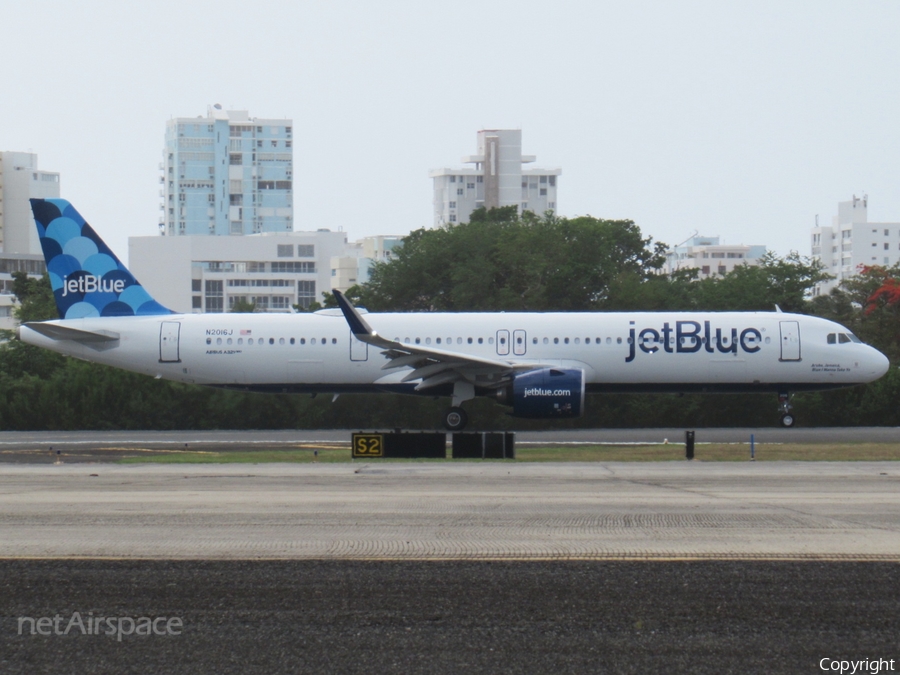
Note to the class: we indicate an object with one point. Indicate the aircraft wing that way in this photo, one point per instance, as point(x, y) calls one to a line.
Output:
point(432, 366)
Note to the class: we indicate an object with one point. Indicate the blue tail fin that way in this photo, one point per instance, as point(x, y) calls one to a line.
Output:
point(86, 276)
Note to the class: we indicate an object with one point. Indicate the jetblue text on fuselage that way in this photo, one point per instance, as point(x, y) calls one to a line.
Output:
point(690, 337)
point(88, 283)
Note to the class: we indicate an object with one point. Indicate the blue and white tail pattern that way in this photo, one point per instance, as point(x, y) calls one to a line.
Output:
point(86, 276)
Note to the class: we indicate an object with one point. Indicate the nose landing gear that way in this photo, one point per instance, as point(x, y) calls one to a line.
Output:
point(784, 407)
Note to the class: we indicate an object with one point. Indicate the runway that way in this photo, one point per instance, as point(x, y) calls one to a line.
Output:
point(443, 511)
point(498, 567)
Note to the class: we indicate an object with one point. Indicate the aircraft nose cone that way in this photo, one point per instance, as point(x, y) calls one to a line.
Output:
point(880, 364)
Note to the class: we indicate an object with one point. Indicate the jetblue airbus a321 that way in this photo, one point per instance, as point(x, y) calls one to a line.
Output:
point(539, 364)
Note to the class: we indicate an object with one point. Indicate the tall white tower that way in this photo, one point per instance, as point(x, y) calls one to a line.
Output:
point(20, 180)
point(497, 179)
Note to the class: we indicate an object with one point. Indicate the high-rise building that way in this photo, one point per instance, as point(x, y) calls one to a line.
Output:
point(852, 242)
point(497, 179)
point(20, 180)
point(227, 174)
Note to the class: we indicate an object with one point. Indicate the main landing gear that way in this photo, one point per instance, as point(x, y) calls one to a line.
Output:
point(784, 407)
point(456, 418)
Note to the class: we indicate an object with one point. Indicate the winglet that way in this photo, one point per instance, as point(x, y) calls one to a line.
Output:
point(358, 325)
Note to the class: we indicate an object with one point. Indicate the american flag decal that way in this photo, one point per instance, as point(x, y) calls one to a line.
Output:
point(246, 332)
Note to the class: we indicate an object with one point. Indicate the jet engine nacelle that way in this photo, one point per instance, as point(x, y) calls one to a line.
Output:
point(547, 393)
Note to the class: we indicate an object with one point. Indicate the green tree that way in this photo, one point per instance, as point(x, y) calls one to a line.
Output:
point(785, 282)
point(35, 303)
point(242, 306)
point(35, 297)
point(868, 303)
point(501, 261)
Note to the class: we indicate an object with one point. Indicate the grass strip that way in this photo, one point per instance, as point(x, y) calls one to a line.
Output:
point(705, 452)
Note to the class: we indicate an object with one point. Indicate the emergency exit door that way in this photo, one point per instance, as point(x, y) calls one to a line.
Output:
point(169, 332)
point(790, 340)
point(520, 342)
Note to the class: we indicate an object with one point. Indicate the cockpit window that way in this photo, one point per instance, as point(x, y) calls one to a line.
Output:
point(842, 338)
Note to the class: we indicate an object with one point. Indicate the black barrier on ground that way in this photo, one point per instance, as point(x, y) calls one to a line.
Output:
point(484, 445)
point(424, 445)
point(689, 445)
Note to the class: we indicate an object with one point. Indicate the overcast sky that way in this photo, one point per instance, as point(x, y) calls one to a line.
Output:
point(742, 119)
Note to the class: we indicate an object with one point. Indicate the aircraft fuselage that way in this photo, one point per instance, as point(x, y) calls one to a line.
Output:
point(640, 351)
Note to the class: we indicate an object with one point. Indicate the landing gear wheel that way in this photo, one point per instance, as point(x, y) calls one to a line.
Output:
point(455, 419)
point(784, 407)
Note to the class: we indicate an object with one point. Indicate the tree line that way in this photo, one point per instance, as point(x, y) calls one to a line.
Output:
point(498, 261)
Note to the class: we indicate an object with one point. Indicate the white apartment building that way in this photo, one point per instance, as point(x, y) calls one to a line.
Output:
point(274, 271)
point(496, 179)
point(353, 266)
point(852, 242)
point(712, 258)
point(20, 180)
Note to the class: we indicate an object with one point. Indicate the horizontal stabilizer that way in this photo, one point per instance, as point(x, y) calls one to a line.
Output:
point(57, 332)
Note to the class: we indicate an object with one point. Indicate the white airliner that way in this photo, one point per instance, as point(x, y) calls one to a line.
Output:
point(539, 364)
